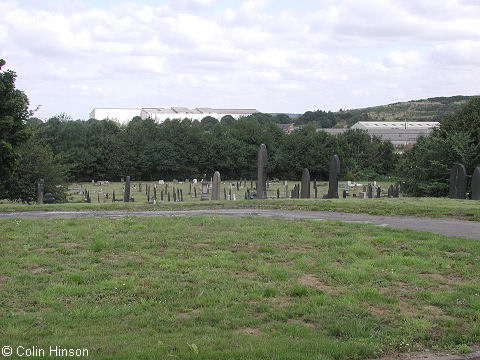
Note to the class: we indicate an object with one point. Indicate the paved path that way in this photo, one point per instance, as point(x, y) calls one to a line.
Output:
point(468, 229)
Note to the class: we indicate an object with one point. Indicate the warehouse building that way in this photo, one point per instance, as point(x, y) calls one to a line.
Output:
point(161, 114)
point(400, 134)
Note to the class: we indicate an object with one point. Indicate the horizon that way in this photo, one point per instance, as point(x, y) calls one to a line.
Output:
point(73, 56)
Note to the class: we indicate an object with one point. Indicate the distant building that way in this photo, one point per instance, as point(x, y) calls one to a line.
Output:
point(121, 115)
point(400, 134)
point(161, 114)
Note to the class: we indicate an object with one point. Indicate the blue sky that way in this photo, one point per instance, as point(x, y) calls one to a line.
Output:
point(275, 56)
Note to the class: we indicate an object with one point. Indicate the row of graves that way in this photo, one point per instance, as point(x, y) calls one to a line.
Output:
point(211, 190)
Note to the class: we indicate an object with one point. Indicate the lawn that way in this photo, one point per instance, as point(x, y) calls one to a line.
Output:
point(224, 288)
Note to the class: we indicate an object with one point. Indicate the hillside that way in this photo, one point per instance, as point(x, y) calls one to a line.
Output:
point(432, 109)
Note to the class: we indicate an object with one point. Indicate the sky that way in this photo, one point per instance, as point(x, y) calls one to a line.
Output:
point(274, 56)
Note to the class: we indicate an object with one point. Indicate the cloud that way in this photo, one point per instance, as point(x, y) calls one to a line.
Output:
point(352, 53)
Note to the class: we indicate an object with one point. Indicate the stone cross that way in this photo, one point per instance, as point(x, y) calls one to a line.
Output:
point(126, 194)
point(262, 172)
point(333, 173)
point(305, 191)
point(458, 182)
point(216, 186)
point(476, 184)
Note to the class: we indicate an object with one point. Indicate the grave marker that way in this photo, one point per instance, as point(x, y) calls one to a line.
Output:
point(305, 184)
point(261, 173)
point(333, 173)
point(476, 184)
point(458, 182)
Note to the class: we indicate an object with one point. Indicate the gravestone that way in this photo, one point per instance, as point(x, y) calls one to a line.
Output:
point(204, 196)
point(216, 186)
point(458, 182)
point(286, 190)
point(40, 187)
point(476, 184)
point(344, 194)
point(126, 194)
point(48, 198)
point(262, 174)
point(369, 191)
point(305, 184)
point(390, 191)
point(379, 192)
point(278, 193)
point(333, 173)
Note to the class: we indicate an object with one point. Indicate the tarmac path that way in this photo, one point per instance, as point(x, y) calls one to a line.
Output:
point(449, 227)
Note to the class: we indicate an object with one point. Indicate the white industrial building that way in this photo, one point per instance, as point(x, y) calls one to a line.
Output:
point(399, 133)
point(161, 114)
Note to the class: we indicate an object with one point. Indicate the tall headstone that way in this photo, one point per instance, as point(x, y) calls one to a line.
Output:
point(476, 184)
point(204, 189)
point(379, 192)
point(40, 190)
point(369, 191)
point(390, 191)
point(333, 174)
point(262, 172)
point(216, 186)
point(126, 194)
point(458, 182)
point(305, 191)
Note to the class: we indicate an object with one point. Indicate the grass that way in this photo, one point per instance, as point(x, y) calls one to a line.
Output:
point(223, 288)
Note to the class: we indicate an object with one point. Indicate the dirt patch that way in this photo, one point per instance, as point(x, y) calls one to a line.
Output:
point(248, 274)
point(189, 315)
point(70, 244)
point(201, 245)
point(311, 280)
point(408, 310)
point(250, 331)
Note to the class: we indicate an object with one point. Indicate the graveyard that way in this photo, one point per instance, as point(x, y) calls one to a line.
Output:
point(213, 287)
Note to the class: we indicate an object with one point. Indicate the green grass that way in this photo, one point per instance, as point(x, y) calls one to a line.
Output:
point(223, 288)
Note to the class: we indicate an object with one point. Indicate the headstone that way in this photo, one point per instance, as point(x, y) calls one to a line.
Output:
point(93, 182)
point(379, 192)
point(262, 172)
point(369, 191)
point(174, 196)
point(458, 182)
point(148, 193)
point(194, 181)
point(48, 198)
point(175, 181)
point(113, 196)
point(344, 194)
point(230, 194)
point(390, 191)
point(204, 189)
point(278, 193)
point(286, 190)
point(224, 193)
point(333, 173)
point(216, 186)
point(305, 184)
point(161, 182)
point(190, 189)
point(476, 184)
point(161, 195)
point(140, 187)
point(155, 194)
point(316, 192)
point(126, 194)
point(168, 197)
point(40, 187)
point(181, 195)
point(195, 191)
point(362, 195)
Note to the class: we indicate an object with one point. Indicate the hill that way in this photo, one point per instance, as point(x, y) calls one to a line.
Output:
point(431, 109)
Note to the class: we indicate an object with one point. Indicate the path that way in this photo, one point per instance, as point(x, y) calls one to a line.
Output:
point(449, 227)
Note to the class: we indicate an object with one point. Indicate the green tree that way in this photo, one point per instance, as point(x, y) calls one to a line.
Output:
point(36, 161)
point(13, 131)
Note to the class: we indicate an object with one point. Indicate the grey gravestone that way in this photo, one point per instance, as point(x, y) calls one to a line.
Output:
point(216, 186)
point(390, 191)
point(48, 198)
point(333, 173)
point(458, 182)
point(40, 187)
point(204, 189)
point(305, 184)
point(476, 184)
point(262, 174)
point(379, 192)
point(369, 191)
point(126, 194)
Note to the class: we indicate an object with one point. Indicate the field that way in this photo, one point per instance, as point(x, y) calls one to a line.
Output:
point(224, 288)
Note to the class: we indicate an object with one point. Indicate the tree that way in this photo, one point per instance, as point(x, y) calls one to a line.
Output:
point(36, 161)
point(13, 131)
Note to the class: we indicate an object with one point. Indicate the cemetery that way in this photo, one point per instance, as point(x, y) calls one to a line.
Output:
point(84, 265)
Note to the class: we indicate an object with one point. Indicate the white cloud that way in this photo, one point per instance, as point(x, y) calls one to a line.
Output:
point(258, 53)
